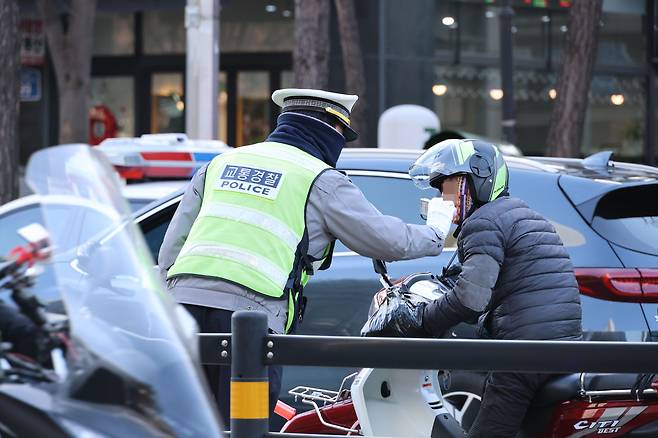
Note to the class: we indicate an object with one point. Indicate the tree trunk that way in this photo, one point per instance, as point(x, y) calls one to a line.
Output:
point(70, 38)
point(311, 55)
point(10, 98)
point(355, 76)
point(565, 131)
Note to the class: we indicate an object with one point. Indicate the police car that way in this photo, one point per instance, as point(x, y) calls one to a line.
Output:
point(155, 156)
point(155, 165)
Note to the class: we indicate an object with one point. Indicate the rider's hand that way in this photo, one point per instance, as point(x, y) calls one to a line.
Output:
point(440, 214)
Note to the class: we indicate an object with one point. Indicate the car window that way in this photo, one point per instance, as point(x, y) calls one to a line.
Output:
point(9, 239)
point(14, 220)
point(154, 228)
point(63, 224)
point(136, 204)
point(155, 236)
point(629, 218)
point(397, 197)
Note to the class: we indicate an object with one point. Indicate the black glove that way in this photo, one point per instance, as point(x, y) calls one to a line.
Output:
point(452, 271)
point(444, 313)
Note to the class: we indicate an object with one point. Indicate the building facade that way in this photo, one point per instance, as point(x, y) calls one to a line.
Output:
point(441, 54)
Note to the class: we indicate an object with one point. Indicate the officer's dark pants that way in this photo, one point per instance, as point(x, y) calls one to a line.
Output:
point(212, 320)
point(506, 399)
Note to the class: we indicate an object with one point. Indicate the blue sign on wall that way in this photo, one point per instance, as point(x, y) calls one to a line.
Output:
point(30, 85)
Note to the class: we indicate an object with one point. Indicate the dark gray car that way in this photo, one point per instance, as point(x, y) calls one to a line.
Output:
point(606, 214)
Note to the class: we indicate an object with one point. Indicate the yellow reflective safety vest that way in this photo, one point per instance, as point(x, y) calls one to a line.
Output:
point(251, 229)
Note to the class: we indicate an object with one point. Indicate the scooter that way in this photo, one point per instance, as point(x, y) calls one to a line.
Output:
point(408, 403)
point(128, 361)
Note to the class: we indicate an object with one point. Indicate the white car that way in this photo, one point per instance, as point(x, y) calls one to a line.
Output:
point(141, 194)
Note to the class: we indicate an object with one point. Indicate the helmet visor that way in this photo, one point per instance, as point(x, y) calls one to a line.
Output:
point(447, 158)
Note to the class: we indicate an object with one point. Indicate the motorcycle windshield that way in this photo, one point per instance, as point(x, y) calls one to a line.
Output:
point(127, 345)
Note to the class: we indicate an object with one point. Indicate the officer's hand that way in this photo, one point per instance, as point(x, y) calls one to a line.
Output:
point(440, 214)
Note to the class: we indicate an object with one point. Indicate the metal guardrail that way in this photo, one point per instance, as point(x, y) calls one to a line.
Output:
point(250, 349)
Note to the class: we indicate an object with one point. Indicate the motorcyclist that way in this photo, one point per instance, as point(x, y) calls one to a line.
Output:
point(234, 241)
point(517, 280)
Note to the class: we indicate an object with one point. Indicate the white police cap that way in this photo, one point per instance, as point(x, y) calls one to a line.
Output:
point(336, 104)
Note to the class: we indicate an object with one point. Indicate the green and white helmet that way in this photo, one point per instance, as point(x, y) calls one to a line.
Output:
point(481, 162)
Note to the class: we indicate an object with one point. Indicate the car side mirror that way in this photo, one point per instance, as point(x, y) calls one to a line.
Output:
point(424, 205)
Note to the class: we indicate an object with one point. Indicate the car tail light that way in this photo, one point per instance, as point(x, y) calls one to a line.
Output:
point(649, 282)
point(130, 172)
point(612, 284)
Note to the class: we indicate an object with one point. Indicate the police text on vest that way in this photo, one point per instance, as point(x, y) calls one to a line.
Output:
point(250, 180)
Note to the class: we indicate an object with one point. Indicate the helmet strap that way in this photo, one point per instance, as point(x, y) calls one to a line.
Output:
point(465, 201)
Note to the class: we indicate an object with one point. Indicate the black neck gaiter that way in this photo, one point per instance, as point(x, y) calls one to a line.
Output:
point(310, 135)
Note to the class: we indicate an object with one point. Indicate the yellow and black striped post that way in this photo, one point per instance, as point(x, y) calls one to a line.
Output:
point(249, 382)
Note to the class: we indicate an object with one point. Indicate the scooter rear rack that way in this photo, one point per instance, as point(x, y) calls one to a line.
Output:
point(325, 396)
point(311, 396)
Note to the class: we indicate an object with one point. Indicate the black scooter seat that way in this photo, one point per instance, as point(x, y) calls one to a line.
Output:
point(567, 386)
point(557, 389)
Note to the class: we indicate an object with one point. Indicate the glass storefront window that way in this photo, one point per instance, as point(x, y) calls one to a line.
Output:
point(287, 79)
point(479, 30)
point(655, 145)
point(256, 26)
point(253, 107)
point(468, 99)
point(222, 106)
point(622, 40)
point(559, 26)
point(534, 93)
point(530, 32)
point(164, 31)
point(615, 119)
point(114, 34)
point(167, 103)
point(112, 102)
point(445, 30)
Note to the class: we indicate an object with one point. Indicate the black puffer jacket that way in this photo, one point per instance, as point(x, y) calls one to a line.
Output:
point(535, 295)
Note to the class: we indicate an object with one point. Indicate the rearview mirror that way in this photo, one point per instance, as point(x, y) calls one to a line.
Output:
point(379, 266)
point(35, 233)
point(424, 205)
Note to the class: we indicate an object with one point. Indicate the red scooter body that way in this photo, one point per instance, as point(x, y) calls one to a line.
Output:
point(341, 413)
point(569, 419)
point(580, 418)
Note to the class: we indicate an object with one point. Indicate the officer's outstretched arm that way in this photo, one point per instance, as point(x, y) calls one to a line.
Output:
point(350, 217)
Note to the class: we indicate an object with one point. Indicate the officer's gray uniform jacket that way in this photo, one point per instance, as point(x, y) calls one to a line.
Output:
point(516, 277)
point(336, 209)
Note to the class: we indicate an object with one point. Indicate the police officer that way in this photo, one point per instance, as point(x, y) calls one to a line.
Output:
point(256, 222)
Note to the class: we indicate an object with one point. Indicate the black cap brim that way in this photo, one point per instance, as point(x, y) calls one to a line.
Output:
point(349, 133)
